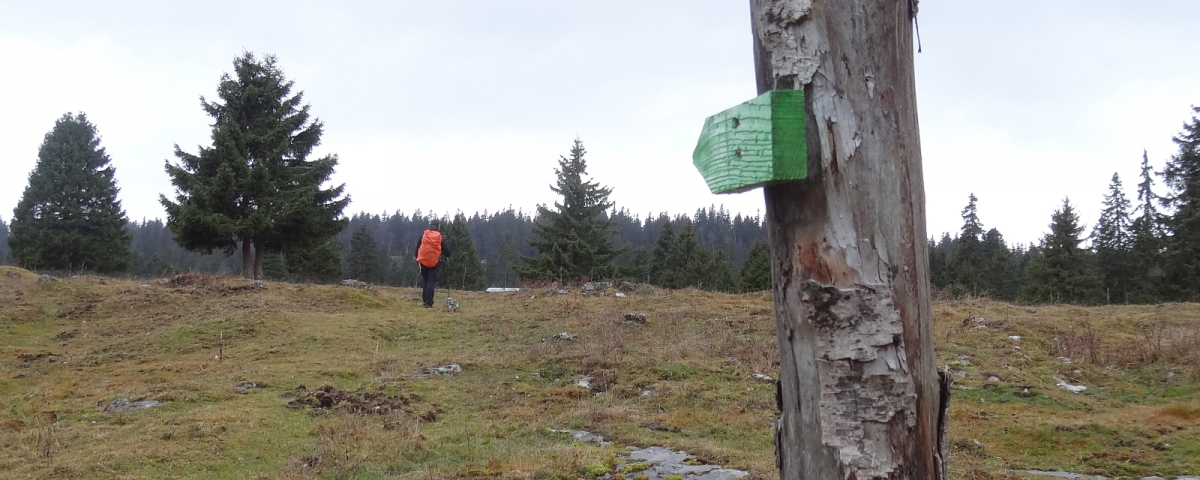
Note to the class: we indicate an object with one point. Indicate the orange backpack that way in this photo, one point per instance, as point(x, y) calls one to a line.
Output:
point(431, 249)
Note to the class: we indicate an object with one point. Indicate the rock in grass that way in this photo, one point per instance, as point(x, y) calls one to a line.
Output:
point(246, 386)
point(451, 304)
point(124, 405)
point(444, 370)
point(562, 337)
point(631, 318)
point(46, 279)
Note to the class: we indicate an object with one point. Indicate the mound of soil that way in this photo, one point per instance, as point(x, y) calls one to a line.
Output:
point(329, 398)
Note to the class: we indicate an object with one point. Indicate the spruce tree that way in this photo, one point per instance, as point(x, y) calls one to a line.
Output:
point(691, 258)
point(756, 272)
point(255, 185)
point(720, 274)
point(69, 217)
point(317, 264)
point(575, 238)
point(1147, 237)
point(967, 261)
point(663, 245)
point(1182, 177)
point(365, 260)
point(508, 258)
point(1112, 240)
point(1000, 275)
point(940, 273)
point(462, 270)
point(3, 242)
point(1063, 271)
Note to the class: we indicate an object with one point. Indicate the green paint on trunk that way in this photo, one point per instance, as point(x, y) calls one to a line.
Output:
point(753, 144)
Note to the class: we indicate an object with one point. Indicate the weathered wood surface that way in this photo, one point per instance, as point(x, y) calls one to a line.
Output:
point(755, 143)
point(859, 392)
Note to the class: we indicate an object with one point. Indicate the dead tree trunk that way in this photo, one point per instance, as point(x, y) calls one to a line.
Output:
point(859, 393)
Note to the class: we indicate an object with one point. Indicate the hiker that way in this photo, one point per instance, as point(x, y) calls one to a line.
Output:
point(430, 251)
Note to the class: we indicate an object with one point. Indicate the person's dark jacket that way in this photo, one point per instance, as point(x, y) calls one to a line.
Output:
point(445, 246)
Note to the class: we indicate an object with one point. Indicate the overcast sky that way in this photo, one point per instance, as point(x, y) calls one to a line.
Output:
point(447, 106)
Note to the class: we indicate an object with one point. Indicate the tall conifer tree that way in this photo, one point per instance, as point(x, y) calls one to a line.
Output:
point(756, 272)
point(1182, 177)
point(1113, 243)
point(940, 255)
point(664, 244)
point(575, 238)
point(720, 274)
point(69, 217)
point(3, 242)
point(690, 257)
point(366, 262)
point(1147, 236)
point(967, 261)
point(1000, 275)
point(255, 184)
point(1062, 270)
point(462, 270)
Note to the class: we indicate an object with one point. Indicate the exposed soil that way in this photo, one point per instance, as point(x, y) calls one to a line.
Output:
point(33, 357)
point(333, 399)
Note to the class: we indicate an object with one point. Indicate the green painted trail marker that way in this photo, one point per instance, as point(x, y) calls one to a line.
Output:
point(753, 144)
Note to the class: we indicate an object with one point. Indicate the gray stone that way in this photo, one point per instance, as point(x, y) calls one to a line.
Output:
point(1077, 476)
point(666, 462)
point(443, 370)
point(124, 405)
point(350, 282)
point(46, 279)
point(13, 274)
point(245, 387)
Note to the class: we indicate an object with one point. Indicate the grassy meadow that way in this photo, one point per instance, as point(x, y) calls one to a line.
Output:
point(70, 347)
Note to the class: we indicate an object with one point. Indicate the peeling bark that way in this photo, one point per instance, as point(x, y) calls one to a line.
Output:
point(860, 396)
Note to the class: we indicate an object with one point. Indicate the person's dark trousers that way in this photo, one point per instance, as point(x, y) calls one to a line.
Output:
point(430, 277)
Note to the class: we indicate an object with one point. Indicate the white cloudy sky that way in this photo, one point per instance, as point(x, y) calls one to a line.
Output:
point(466, 105)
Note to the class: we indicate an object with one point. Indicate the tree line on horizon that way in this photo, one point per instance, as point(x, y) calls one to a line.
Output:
point(255, 190)
point(1136, 253)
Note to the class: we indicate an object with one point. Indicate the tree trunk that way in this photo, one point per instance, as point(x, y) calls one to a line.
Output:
point(247, 260)
point(859, 393)
point(259, 253)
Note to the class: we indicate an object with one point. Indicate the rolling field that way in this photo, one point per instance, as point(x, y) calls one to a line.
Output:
point(685, 380)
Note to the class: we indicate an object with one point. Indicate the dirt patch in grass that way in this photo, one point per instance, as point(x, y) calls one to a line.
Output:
point(332, 399)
